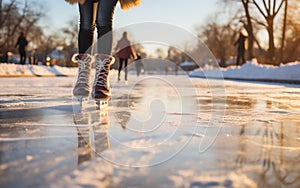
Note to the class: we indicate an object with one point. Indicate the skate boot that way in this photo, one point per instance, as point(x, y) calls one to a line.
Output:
point(101, 88)
point(82, 87)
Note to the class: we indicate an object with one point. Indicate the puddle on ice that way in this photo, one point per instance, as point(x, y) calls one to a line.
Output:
point(153, 134)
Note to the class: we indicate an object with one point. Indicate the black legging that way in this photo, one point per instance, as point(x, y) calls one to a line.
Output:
point(105, 11)
point(121, 66)
point(22, 56)
point(241, 55)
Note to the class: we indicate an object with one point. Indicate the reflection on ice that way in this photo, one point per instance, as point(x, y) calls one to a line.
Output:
point(155, 128)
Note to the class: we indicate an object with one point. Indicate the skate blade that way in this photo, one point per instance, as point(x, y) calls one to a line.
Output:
point(101, 103)
point(82, 98)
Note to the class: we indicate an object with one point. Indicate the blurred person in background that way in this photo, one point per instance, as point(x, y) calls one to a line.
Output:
point(21, 45)
point(124, 51)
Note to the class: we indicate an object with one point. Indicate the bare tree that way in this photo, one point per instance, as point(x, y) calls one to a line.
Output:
point(263, 14)
point(291, 49)
point(269, 10)
point(1, 16)
point(246, 20)
point(160, 53)
point(248, 26)
point(69, 35)
point(283, 30)
point(174, 55)
point(7, 12)
point(139, 49)
point(70, 32)
point(15, 19)
point(219, 38)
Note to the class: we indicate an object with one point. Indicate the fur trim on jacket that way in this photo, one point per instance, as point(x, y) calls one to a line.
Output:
point(128, 4)
point(75, 1)
point(125, 4)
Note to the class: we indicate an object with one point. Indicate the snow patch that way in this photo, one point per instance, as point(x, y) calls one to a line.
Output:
point(10, 70)
point(253, 71)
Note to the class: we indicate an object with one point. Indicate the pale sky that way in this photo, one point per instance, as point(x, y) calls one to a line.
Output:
point(182, 13)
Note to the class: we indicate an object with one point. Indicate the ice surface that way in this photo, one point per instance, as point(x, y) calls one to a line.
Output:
point(158, 131)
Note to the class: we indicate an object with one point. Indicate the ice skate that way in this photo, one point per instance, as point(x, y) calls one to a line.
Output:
point(82, 89)
point(101, 89)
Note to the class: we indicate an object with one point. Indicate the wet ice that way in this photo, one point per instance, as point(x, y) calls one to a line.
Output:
point(257, 141)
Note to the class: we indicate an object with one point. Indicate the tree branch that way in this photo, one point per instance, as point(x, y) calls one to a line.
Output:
point(281, 3)
point(17, 25)
point(260, 22)
point(269, 8)
point(274, 6)
point(259, 9)
point(9, 8)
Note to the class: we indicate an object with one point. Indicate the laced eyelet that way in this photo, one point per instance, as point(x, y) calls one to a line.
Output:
point(84, 68)
point(102, 69)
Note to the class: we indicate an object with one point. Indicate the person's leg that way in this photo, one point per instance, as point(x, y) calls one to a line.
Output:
point(86, 27)
point(103, 60)
point(24, 61)
point(105, 12)
point(20, 53)
point(120, 67)
point(85, 43)
point(101, 87)
point(243, 58)
point(238, 59)
point(125, 68)
point(137, 69)
point(22, 57)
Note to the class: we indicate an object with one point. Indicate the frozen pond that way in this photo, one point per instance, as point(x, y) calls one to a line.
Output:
point(158, 131)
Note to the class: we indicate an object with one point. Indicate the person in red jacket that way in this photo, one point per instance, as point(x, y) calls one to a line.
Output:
point(124, 51)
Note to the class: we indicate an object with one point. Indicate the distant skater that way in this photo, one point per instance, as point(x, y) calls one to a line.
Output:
point(241, 49)
point(124, 51)
point(138, 64)
point(21, 45)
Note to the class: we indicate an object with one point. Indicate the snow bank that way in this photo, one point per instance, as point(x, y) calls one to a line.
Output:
point(253, 71)
point(11, 70)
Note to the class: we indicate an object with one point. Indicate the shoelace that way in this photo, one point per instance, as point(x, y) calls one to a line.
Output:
point(101, 72)
point(83, 73)
point(83, 69)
